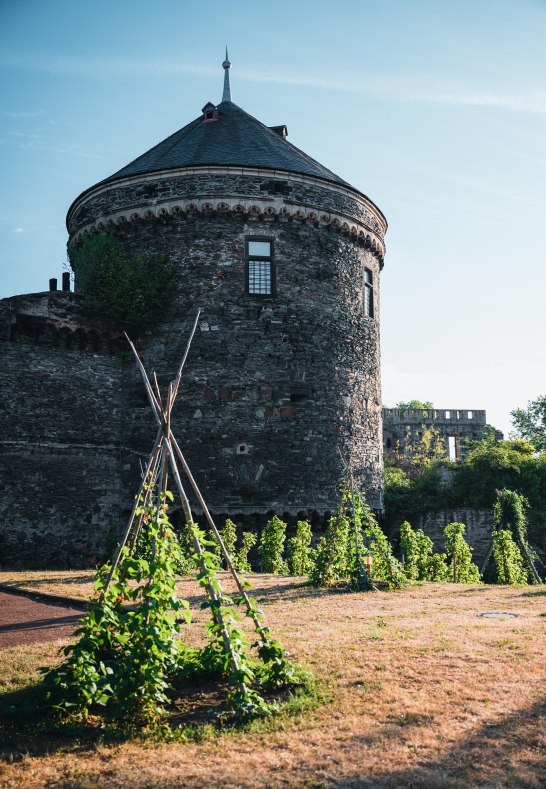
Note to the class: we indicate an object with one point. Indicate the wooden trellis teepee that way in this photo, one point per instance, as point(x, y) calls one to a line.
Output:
point(167, 458)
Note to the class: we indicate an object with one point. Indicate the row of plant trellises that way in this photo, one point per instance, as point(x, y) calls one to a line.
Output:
point(510, 559)
point(353, 549)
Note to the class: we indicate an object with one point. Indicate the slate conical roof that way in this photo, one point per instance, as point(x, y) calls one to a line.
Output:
point(235, 138)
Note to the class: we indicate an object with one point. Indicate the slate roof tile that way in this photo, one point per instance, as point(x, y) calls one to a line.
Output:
point(236, 138)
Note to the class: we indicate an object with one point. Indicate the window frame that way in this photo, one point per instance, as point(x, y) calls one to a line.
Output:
point(368, 292)
point(264, 258)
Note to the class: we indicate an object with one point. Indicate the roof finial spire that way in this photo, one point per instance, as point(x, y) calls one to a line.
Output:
point(226, 95)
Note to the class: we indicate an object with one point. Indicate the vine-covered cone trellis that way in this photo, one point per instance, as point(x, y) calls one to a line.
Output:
point(113, 659)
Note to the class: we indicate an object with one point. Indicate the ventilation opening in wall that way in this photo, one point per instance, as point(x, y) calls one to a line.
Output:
point(299, 395)
point(243, 449)
point(452, 448)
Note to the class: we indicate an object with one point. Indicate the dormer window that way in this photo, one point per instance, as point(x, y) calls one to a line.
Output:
point(210, 113)
point(282, 131)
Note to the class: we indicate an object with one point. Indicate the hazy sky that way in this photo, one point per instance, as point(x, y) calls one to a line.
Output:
point(436, 110)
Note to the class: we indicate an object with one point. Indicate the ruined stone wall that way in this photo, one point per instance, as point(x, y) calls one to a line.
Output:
point(479, 527)
point(462, 425)
point(60, 433)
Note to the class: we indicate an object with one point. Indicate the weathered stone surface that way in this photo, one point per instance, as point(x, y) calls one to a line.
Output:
point(61, 427)
point(276, 389)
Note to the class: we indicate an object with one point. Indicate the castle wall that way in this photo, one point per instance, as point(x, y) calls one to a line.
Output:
point(461, 426)
point(60, 428)
point(275, 388)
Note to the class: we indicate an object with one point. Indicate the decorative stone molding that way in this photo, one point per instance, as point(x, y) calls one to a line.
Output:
point(230, 170)
point(253, 207)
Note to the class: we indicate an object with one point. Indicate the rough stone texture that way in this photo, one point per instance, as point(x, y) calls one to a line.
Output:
point(275, 389)
point(462, 425)
point(153, 192)
point(274, 386)
point(61, 425)
point(479, 527)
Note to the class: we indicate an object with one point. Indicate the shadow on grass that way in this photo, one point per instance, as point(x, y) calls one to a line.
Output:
point(508, 754)
point(38, 624)
point(36, 583)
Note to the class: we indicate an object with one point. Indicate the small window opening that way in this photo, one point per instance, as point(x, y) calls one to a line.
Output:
point(299, 397)
point(470, 415)
point(260, 272)
point(389, 443)
point(242, 449)
point(452, 448)
point(210, 113)
point(448, 414)
point(368, 293)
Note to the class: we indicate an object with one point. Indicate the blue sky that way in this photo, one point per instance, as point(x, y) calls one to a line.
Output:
point(436, 110)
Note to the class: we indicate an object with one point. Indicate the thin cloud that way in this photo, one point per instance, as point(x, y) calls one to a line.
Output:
point(398, 89)
point(20, 115)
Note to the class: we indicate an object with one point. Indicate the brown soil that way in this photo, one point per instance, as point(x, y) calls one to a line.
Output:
point(425, 692)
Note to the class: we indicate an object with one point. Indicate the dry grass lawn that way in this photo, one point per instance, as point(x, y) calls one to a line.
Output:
point(425, 692)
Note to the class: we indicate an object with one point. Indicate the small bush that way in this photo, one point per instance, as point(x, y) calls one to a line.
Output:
point(271, 547)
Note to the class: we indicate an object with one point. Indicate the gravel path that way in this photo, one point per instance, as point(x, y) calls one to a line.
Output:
point(26, 621)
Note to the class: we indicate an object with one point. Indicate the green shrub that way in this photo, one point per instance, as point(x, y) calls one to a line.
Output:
point(249, 540)
point(271, 547)
point(300, 553)
point(459, 556)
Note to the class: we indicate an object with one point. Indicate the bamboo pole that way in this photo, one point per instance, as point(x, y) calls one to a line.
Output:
point(151, 462)
point(164, 425)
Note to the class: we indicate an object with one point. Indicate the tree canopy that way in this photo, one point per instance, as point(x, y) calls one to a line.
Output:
point(530, 422)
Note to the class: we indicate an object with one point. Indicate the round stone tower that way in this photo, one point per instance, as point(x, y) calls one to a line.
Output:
point(283, 257)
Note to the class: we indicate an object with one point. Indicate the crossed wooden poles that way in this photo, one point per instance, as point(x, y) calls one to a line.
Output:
point(165, 455)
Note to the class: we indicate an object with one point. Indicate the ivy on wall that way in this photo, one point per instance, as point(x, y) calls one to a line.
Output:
point(129, 290)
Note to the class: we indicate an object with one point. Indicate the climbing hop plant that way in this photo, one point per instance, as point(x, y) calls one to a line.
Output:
point(271, 547)
point(240, 559)
point(300, 553)
point(512, 554)
point(421, 563)
point(229, 537)
point(353, 535)
point(459, 556)
point(331, 552)
point(124, 657)
point(509, 564)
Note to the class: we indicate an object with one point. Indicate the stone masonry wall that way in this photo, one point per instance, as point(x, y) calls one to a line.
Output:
point(479, 527)
point(275, 387)
point(61, 422)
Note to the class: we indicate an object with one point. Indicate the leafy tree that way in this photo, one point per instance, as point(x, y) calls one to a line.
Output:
point(416, 405)
point(127, 289)
point(503, 464)
point(530, 422)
